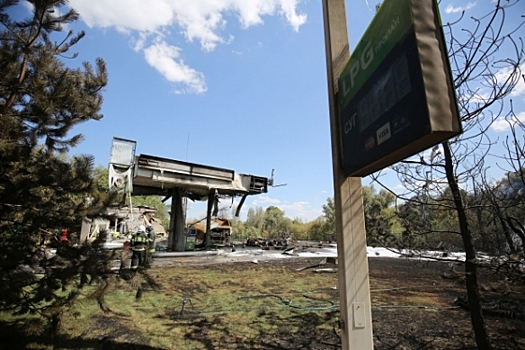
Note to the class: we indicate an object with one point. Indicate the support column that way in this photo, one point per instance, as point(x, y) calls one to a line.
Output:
point(354, 288)
point(177, 237)
point(211, 198)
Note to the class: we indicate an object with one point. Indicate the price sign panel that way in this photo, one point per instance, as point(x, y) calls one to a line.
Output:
point(396, 93)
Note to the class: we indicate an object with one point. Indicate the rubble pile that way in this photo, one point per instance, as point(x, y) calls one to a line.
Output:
point(268, 244)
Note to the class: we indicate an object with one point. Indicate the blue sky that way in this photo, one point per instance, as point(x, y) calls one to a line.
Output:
point(237, 84)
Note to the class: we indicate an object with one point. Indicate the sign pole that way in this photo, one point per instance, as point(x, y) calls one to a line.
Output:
point(354, 288)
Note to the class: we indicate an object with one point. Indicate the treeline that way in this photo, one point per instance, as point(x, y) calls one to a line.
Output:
point(425, 221)
point(272, 223)
point(429, 220)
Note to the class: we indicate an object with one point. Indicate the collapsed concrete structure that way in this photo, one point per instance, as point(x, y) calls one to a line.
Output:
point(175, 180)
point(117, 222)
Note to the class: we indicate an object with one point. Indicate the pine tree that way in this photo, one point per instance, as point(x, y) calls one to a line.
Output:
point(41, 190)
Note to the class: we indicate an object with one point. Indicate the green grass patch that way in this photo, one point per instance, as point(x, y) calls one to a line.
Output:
point(231, 306)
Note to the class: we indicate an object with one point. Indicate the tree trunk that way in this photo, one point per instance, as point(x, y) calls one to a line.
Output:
point(504, 226)
point(476, 314)
point(505, 229)
point(517, 230)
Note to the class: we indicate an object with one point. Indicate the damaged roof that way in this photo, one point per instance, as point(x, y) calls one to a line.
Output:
point(156, 175)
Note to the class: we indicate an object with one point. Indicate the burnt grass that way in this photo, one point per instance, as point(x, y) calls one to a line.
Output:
point(448, 326)
point(413, 307)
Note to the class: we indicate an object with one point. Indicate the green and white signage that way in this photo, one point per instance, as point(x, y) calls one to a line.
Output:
point(396, 94)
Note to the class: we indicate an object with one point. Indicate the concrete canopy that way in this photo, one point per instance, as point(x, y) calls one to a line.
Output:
point(175, 179)
point(158, 176)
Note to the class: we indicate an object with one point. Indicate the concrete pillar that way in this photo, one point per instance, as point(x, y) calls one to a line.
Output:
point(211, 198)
point(177, 236)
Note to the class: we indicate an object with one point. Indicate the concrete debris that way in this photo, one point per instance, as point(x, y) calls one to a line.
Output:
point(320, 263)
point(118, 223)
point(290, 251)
point(268, 244)
point(331, 260)
point(327, 270)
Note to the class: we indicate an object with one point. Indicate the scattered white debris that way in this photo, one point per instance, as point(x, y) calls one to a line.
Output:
point(327, 270)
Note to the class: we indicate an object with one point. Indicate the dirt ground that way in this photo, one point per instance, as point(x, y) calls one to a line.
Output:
point(414, 306)
point(446, 326)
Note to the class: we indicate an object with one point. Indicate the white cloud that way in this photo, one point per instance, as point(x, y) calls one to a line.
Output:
point(486, 90)
point(263, 201)
point(139, 42)
point(504, 74)
point(200, 20)
point(295, 207)
point(301, 210)
point(250, 12)
point(452, 9)
point(166, 59)
point(503, 124)
point(125, 15)
point(519, 89)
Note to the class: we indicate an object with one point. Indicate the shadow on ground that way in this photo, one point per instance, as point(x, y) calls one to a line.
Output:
point(14, 337)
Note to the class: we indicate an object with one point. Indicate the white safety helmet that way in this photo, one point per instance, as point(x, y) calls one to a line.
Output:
point(142, 228)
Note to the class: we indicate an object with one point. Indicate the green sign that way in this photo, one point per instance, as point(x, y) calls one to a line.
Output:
point(388, 27)
point(387, 109)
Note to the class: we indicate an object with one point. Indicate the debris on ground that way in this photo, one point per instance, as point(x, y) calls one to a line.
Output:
point(268, 244)
point(326, 270)
point(320, 263)
point(290, 251)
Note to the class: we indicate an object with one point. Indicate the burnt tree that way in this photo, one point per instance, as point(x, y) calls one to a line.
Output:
point(486, 57)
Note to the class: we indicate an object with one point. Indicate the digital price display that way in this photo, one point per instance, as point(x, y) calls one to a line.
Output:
point(390, 88)
point(396, 98)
